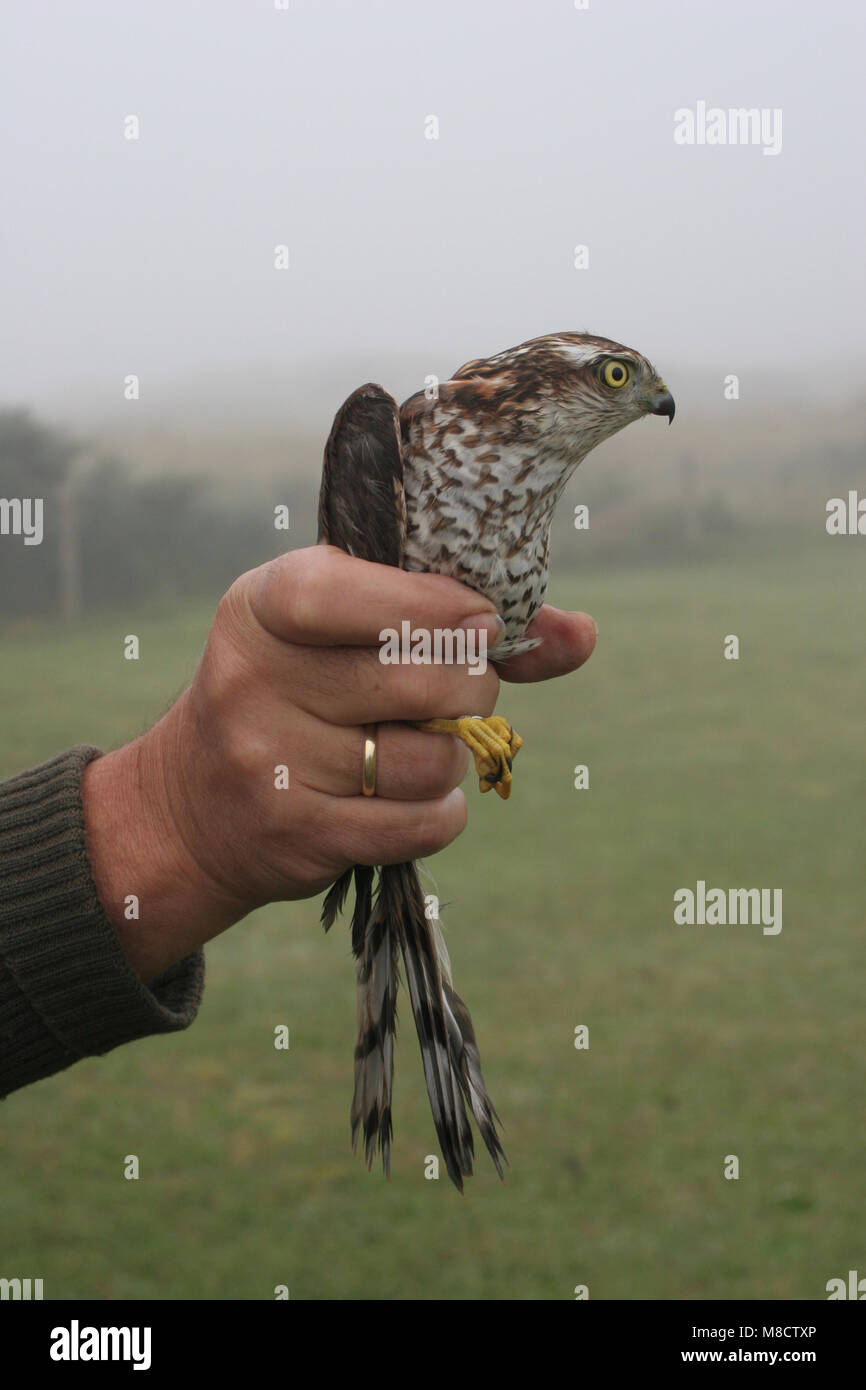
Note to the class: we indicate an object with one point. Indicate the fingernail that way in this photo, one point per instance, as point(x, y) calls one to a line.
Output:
point(491, 623)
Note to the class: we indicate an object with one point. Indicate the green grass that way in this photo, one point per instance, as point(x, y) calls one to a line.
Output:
point(705, 1041)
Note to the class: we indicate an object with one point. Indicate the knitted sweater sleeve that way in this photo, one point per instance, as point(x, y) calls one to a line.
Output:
point(66, 989)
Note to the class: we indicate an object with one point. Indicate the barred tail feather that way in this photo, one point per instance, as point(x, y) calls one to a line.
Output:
point(377, 1024)
point(452, 1066)
point(374, 945)
point(465, 1050)
point(449, 1052)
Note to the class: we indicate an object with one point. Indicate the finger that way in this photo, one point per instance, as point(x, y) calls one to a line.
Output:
point(323, 597)
point(410, 765)
point(351, 685)
point(373, 830)
point(567, 641)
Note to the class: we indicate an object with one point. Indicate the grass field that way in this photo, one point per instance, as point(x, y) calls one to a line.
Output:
point(704, 1041)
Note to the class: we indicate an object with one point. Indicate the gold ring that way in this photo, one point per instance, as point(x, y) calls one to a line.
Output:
point(368, 786)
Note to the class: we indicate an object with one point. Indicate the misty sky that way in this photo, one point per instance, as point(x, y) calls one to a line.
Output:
point(307, 126)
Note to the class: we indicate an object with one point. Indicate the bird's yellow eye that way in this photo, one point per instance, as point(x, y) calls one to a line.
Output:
point(616, 373)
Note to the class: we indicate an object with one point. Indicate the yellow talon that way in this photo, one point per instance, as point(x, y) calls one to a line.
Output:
point(492, 742)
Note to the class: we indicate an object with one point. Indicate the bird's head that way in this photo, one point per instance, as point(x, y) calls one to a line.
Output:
point(608, 380)
point(575, 389)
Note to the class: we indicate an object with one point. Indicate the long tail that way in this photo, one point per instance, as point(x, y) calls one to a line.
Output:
point(452, 1065)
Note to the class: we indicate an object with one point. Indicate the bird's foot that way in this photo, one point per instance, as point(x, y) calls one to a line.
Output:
point(492, 742)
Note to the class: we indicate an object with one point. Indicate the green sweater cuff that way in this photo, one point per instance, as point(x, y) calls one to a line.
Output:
point(66, 988)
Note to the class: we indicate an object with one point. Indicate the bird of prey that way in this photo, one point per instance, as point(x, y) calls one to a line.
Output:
point(462, 481)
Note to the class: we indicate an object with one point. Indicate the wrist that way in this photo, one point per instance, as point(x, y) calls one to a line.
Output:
point(151, 885)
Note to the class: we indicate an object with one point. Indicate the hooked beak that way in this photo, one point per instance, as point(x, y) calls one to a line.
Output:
point(662, 403)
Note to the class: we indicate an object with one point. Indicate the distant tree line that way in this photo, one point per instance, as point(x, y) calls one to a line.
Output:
point(110, 538)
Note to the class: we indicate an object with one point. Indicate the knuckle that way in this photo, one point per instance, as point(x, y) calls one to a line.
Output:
point(419, 691)
point(224, 673)
point(249, 759)
point(457, 693)
point(405, 690)
point(307, 581)
point(233, 608)
point(438, 691)
point(300, 601)
point(414, 831)
point(440, 825)
point(443, 767)
point(485, 691)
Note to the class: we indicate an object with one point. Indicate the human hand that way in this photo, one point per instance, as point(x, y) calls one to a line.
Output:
point(190, 816)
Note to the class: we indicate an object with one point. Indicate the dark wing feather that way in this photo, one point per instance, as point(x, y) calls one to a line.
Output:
point(362, 507)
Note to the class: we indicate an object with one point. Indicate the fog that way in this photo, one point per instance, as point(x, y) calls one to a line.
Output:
point(307, 127)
